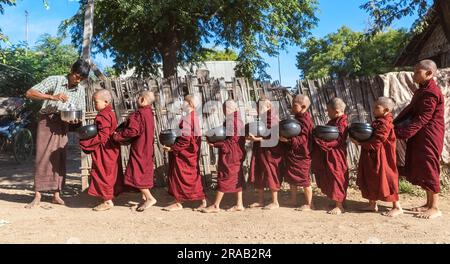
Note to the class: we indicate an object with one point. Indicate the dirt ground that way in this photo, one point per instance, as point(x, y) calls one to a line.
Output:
point(77, 223)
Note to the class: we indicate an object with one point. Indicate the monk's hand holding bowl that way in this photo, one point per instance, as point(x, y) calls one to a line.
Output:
point(253, 138)
point(283, 139)
point(166, 148)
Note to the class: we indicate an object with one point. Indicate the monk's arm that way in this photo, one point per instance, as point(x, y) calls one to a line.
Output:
point(298, 141)
point(425, 113)
point(227, 144)
point(182, 143)
point(380, 136)
point(132, 130)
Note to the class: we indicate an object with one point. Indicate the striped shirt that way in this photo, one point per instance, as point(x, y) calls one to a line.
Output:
point(59, 84)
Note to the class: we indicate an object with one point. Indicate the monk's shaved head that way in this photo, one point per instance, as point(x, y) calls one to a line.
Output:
point(103, 95)
point(192, 100)
point(427, 65)
point(265, 102)
point(337, 104)
point(230, 106)
point(302, 100)
point(386, 102)
point(148, 96)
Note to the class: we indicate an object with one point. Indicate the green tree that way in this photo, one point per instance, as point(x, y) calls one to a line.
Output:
point(219, 55)
point(349, 53)
point(110, 72)
point(142, 33)
point(48, 57)
point(384, 12)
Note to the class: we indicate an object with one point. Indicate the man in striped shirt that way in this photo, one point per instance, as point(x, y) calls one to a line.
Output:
point(57, 92)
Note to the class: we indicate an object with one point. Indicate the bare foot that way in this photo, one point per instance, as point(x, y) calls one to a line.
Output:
point(271, 206)
point(145, 205)
point(420, 209)
point(58, 200)
point(393, 212)
point(35, 203)
point(256, 205)
point(236, 209)
point(211, 209)
point(173, 207)
point(103, 206)
point(336, 211)
point(430, 214)
point(200, 208)
point(305, 208)
point(370, 208)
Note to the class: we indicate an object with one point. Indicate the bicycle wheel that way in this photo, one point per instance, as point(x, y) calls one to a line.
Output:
point(23, 146)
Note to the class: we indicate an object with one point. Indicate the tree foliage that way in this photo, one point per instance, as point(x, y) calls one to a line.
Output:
point(219, 55)
point(142, 33)
point(23, 67)
point(384, 12)
point(349, 53)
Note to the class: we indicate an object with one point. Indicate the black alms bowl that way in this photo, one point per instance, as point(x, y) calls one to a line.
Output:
point(87, 131)
point(289, 128)
point(216, 134)
point(167, 137)
point(403, 122)
point(360, 131)
point(327, 133)
point(120, 128)
point(257, 128)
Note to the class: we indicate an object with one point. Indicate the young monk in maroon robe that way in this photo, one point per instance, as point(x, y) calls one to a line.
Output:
point(377, 170)
point(265, 167)
point(230, 176)
point(104, 153)
point(329, 158)
point(184, 178)
point(140, 129)
point(425, 137)
point(298, 157)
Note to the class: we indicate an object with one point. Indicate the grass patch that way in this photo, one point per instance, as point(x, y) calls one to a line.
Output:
point(406, 187)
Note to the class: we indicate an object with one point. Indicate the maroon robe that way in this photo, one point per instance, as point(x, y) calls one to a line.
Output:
point(425, 137)
point(329, 162)
point(298, 156)
point(266, 164)
point(184, 180)
point(105, 155)
point(377, 170)
point(230, 176)
point(140, 128)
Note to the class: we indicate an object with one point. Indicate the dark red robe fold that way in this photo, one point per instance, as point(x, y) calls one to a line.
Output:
point(329, 162)
point(230, 176)
point(105, 155)
point(184, 180)
point(298, 156)
point(425, 137)
point(267, 162)
point(140, 128)
point(377, 170)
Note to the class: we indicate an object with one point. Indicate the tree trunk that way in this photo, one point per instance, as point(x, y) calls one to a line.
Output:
point(169, 59)
point(169, 49)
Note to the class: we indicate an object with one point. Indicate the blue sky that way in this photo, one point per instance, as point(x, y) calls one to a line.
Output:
point(332, 15)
